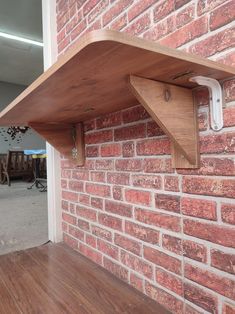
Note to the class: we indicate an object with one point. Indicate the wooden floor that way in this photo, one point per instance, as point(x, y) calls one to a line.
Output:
point(55, 279)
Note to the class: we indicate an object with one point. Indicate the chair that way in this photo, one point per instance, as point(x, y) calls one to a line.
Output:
point(14, 165)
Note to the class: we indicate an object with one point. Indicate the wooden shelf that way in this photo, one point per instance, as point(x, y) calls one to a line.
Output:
point(108, 71)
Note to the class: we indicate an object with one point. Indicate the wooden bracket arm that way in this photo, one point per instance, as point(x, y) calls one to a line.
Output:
point(65, 138)
point(173, 109)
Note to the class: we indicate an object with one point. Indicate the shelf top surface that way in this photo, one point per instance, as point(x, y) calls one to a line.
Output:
point(91, 79)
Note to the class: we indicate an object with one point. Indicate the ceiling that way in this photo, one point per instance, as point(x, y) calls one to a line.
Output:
point(20, 63)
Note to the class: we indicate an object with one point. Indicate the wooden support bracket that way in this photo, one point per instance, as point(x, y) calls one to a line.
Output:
point(66, 138)
point(173, 109)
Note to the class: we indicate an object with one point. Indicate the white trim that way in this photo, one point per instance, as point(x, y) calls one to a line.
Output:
point(53, 156)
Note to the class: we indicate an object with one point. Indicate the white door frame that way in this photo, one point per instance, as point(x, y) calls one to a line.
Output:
point(53, 157)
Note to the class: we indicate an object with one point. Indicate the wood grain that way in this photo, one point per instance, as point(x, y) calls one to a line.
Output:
point(54, 279)
point(91, 79)
point(173, 109)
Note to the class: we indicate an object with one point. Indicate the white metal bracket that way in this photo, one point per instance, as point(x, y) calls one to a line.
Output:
point(216, 100)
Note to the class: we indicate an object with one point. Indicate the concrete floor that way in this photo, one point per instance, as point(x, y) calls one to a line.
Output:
point(23, 217)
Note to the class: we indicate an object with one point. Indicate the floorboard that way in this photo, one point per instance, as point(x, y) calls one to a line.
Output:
point(55, 279)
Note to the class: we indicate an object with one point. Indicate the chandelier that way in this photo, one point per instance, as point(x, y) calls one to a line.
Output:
point(14, 130)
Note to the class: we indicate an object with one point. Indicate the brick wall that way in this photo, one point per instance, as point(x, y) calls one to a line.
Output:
point(168, 233)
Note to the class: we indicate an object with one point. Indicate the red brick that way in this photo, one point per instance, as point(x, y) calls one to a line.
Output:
point(102, 5)
point(76, 186)
point(110, 221)
point(65, 173)
point(64, 227)
point(89, 125)
point(138, 197)
point(143, 233)
point(128, 149)
point(154, 146)
point(118, 178)
point(185, 16)
point(153, 129)
point(130, 132)
point(101, 233)
point(63, 44)
point(198, 208)
point(213, 166)
point(191, 310)
point(139, 25)
point(163, 9)
point(104, 164)
point(167, 300)
point(180, 3)
point(139, 7)
point(160, 30)
point(115, 10)
point(209, 186)
point(195, 251)
point(200, 297)
point(84, 199)
point(91, 253)
point(82, 224)
point(157, 219)
point(91, 240)
point(222, 285)
point(116, 269)
point(109, 120)
point(80, 175)
point(64, 184)
point(136, 282)
point(98, 176)
point(137, 264)
point(162, 259)
point(94, 26)
point(229, 88)
point(134, 114)
point(214, 44)
point(223, 261)
point(119, 23)
point(147, 181)
point(69, 218)
point(70, 196)
point(65, 205)
point(118, 193)
point(167, 202)
point(76, 233)
point(158, 165)
point(228, 309)
point(172, 244)
point(229, 116)
point(210, 232)
point(129, 165)
point(227, 59)
point(97, 202)
point(228, 213)
point(111, 150)
point(169, 281)
point(118, 208)
point(202, 121)
point(187, 33)
point(201, 96)
point(89, 5)
point(127, 244)
point(219, 143)
point(72, 208)
point(92, 151)
point(86, 213)
point(171, 183)
point(99, 137)
point(98, 189)
point(73, 243)
point(222, 15)
point(107, 249)
point(78, 29)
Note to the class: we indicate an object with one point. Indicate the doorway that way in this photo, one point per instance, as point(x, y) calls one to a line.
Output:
point(24, 212)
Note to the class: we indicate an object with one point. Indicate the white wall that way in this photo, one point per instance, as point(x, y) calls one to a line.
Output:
point(29, 140)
